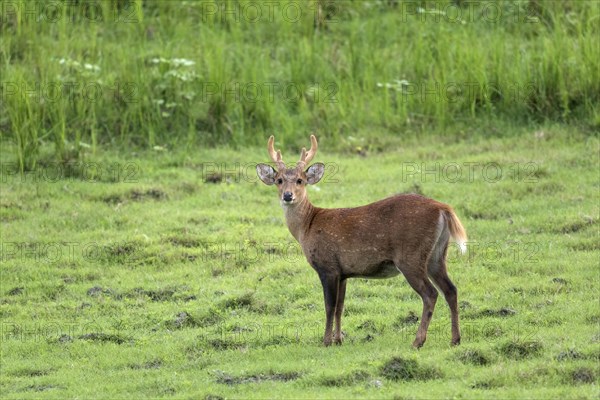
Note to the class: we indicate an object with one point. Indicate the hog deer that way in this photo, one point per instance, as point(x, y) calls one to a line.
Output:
point(406, 234)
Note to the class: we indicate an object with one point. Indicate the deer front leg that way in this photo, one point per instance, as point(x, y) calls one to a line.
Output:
point(338, 336)
point(330, 284)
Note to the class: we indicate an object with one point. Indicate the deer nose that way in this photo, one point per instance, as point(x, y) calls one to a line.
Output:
point(287, 196)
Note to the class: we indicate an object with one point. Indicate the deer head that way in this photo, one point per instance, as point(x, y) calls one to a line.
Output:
point(291, 182)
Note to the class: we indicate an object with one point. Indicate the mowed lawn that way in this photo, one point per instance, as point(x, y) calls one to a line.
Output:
point(171, 274)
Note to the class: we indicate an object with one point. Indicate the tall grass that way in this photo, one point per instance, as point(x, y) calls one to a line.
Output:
point(184, 73)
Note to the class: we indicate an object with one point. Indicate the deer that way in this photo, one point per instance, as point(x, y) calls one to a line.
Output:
point(404, 234)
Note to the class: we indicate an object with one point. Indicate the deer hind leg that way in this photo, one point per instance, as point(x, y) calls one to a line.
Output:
point(437, 271)
point(417, 278)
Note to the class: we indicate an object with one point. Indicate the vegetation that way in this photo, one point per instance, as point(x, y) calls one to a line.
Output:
point(142, 257)
point(177, 276)
point(80, 74)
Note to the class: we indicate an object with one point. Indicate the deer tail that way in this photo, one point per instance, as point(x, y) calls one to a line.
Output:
point(457, 230)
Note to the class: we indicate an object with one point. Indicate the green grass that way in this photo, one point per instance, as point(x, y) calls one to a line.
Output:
point(159, 282)
point(142, 258)
point(156, 72)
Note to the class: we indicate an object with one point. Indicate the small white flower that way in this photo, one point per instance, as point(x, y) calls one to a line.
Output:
point(91, 67)
point(183, 62)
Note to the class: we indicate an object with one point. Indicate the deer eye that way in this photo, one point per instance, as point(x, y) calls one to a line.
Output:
point(299, 182)
point(279, 181)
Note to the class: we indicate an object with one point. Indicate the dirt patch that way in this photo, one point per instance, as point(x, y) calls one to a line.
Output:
point(114, 199)
point(105, 338)
point(214, 177)
point(583, 375)
point(368, 338)
point(473, 357)
point(99, 290)
point(11, 212)
point(485, 385)
point(223, 344)
point(16, 291)
point(121, 249)
point(464, 305)
point(518, 350)
point(501, 312)
point(64, 339)
point(136, 195)
point(410, 319)
point(570, 354)
point(183, 320)
point(165, 294)
point(212, 317)
point(153, 194)
point(577, 225)
point(68, 279)
point(401, 369)
point(368, 326)
point(184, 241)
point(227, 379)
point(31, 372)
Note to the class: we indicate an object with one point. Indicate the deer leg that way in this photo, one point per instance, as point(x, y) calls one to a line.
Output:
point(439, 275)
point(330, 292)
point(437, 271)
point(428, 293)
point(338, 336)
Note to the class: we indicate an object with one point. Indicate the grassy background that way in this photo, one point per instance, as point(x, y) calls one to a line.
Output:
point(153, 72)
point(141, 257)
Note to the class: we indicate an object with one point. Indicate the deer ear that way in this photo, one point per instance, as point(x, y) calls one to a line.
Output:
point(266, 173)
point(314, 173)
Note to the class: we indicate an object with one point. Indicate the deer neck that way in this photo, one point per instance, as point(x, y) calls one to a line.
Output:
point(298, 217)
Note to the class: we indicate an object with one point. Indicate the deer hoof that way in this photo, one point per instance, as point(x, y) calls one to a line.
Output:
point(455, 342)
point(339, 339)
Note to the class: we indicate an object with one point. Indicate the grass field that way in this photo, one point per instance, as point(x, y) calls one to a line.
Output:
point(141, 257)
point(176, 277)
point(83, 74)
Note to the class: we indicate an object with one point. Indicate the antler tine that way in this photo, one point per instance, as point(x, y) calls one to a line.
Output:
point(307, 156)
point(303, 154)
point(275, 155)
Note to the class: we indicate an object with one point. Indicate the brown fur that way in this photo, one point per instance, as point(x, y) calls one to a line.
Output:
point(405, 234)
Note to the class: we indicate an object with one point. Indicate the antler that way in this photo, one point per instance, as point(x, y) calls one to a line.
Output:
point(307, 156)
point(275, 155)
